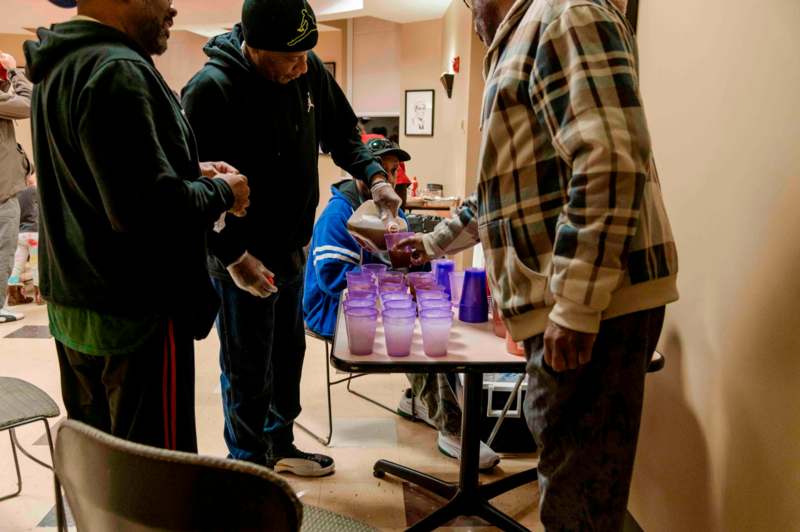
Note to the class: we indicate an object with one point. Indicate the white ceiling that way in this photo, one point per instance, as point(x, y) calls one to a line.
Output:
point(205, 15)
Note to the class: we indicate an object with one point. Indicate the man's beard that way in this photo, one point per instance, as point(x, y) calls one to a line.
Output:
point(153, 36)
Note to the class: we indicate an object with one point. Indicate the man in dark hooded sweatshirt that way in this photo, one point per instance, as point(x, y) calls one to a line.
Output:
point(265, 103)
point(117, 166)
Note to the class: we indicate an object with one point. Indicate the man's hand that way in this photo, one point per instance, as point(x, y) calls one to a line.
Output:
point(8, 61)
point(212, 169)
point(241, 192)
point(419, 255)
point(385, 198)
point(566, 349)
point(252, 276)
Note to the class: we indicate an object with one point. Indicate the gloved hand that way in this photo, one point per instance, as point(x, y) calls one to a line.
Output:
point(252, 276)
point(386, 199)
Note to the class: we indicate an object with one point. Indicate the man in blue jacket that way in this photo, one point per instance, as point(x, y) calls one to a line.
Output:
point(332, 254)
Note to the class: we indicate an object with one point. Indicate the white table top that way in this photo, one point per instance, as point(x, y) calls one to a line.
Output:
point(472, 347)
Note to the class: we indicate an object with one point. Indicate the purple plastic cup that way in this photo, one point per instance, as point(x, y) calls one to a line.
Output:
point(398, 327)
point(391, 277)
point(414, 278)
point(362, 294)
point(474, 305)
point(361, 303)
point(456, 284)
point(399, 304)
point(395, 296)
point(434, 303)
point(435, 324)
point(393, 287)
point(374, 269)
point(400, 256)
point(441, 271)
point(361, 324)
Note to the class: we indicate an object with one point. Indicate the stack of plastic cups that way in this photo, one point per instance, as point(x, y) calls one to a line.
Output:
point(398, 304)
point(391, 276)
point(435, 324)
point(456, 285)
point(361, 324)
point(428, 295)
point(442, 271)
point(398, 326)
point(474, 304)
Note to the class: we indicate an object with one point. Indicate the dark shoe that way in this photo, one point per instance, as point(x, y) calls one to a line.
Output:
point(302, 464)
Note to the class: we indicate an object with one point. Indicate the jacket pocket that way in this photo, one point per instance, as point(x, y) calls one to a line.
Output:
point(516, 288)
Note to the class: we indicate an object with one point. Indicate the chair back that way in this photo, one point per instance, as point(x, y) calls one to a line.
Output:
point(113, 484)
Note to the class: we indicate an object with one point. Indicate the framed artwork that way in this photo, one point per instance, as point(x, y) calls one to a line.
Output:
point(419, 112)
point(331, 67)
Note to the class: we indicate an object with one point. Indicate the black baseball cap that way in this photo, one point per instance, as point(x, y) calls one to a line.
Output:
point(384, 146)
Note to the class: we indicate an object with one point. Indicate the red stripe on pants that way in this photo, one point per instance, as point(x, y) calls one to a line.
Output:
point(173, 390)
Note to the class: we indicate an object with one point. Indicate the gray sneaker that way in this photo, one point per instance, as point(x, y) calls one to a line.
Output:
point(412, 408)
point(7, 316)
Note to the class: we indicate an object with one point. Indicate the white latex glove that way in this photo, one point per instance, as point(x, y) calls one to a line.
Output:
point(387, 201)
point(252, 276)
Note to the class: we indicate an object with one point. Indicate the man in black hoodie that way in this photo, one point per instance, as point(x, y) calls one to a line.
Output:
point(265, 103)
point(117, 166)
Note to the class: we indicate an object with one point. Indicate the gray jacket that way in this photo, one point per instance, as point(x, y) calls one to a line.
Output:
point(15, 103)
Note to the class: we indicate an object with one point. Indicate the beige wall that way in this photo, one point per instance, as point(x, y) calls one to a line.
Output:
point(720, 442)
point(376, 71)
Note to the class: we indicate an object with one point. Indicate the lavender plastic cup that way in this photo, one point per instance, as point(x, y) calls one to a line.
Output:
point(398, 327)
point(359, 303)
point(414, 278)
point(361, 324)
point(362, 294)
point(400, 257)
point(395, 296)
point(435, 324)
point(474, 305)
point(399, 304)
point(393, 287)
point(374, 269)
point(434, 303)
point(391, 277)
point(456, 285)
point(441, 271)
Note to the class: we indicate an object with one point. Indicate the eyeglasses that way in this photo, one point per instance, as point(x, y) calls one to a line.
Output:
point(380, 144)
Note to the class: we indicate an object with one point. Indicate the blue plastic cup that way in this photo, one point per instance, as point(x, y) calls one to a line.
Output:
point(474, 305)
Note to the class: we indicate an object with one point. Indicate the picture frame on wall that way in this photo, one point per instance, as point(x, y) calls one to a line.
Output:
point(330, 66)
point(419, 112)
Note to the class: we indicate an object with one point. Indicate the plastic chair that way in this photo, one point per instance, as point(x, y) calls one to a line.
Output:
point(114, 484)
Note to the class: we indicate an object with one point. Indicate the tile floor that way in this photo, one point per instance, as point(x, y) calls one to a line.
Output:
point(363, 433)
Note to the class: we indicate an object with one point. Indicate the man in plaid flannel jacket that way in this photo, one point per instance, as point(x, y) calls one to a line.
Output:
point(579, 251)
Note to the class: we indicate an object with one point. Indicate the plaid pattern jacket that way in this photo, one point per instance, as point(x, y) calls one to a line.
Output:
point(568, 207)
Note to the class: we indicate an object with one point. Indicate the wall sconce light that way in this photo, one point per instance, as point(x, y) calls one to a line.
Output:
point(447, 80)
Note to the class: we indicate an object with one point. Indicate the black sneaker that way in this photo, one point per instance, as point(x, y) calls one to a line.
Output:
point(302, 464)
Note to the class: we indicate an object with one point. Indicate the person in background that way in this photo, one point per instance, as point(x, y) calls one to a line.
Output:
point(121, 186)
point(27, 254)
point(15, 103)
point(578, 245)
point(334, 253)
point(279, 105)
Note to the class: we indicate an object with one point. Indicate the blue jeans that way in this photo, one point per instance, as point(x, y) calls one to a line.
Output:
point(262, 346)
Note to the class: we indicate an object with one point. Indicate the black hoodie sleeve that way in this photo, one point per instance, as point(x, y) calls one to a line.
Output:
point(338, 126)
point(128, 151)
point(205, 103)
